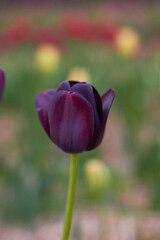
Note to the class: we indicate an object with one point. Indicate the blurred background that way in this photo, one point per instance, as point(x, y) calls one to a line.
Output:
point(111, 44)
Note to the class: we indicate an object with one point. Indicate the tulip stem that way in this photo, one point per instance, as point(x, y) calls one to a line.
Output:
point(70, 198)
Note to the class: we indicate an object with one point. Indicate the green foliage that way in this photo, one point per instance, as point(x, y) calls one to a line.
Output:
point(149, 163)
point(37, 183)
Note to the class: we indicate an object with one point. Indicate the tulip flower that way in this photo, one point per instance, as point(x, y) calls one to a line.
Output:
point(97, 175)
point(79, 73)
point(47, 58)
point(20, 30)
point(127, 42)
point(2, 82)
point(81, 28)
point(74, 117)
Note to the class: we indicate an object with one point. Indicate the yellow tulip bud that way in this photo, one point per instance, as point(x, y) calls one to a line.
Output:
point(80, 74)
point(47, 58)
point(127, 42)
point(97, 175)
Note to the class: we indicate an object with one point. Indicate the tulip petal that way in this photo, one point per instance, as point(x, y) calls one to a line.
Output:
point(65, 85)
point(2, 82)
point(71, 121)
point(107, 100)
point(92, 96)
point(42, 103)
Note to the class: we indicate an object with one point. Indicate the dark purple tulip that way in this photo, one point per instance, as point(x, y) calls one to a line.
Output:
point(74, 115)
point(2, 82)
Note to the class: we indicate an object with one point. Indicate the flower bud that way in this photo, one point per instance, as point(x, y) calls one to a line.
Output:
point(79, 73)
point(127, 42)
point(97, 175)
point(74, 115)
point(47, 58)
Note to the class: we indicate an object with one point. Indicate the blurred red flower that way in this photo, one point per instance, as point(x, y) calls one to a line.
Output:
point(87, 31)
point(20, 30)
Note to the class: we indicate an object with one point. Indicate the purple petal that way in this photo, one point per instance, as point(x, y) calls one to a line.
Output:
point(92, 96)
point(42, 104)
point(107, 100)
point(71, 121)
point(65, 85)
point(2, 82)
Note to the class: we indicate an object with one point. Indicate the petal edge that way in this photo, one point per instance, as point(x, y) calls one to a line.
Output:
point(107, 100)
point(42, 103)
point(2, 82)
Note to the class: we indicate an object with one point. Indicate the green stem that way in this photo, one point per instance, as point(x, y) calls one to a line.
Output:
point(70, 198)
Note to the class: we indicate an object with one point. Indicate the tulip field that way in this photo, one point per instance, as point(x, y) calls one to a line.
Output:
point(115, 48)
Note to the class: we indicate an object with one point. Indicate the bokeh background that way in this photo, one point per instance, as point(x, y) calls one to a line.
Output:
point(111, 44)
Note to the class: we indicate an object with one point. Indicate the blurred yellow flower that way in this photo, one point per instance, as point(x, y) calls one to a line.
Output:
point(127, 41)
point(97, 174)
point(80, 74)
point(47, 58)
